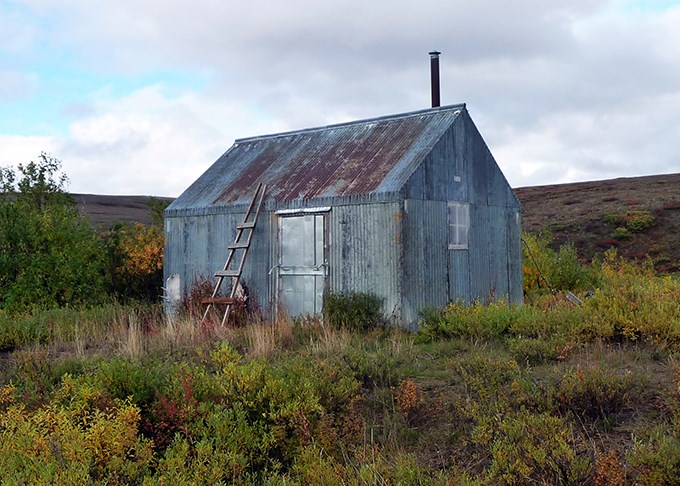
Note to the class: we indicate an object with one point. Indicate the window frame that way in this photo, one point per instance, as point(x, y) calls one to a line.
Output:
point(458, 219)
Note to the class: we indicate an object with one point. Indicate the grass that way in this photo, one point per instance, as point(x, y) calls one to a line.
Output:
point(549, 393)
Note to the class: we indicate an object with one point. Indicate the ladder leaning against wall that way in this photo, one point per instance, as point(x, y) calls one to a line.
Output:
point(234, 265)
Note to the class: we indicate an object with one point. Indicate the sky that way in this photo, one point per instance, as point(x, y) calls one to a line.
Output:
point(142, 96)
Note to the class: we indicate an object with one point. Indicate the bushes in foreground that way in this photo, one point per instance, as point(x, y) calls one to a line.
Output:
point(631, 303)
point(341, 407)
point(223, 419)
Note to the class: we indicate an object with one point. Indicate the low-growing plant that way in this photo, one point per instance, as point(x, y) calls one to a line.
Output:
point(474, 321)
point(639, 221)
point(354, 310)
point(655, 458)
point(596, 394)
point(72, 439)
point(633, 303)
point(621, 234)
point(613, 219)
point(528, 448)
point(545, 268)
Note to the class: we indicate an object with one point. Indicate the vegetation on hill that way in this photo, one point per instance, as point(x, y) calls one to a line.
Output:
point(639, 216)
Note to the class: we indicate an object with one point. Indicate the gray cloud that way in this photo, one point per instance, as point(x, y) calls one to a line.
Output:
point(560, 90)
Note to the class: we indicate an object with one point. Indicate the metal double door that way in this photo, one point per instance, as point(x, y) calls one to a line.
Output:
point(302, 265)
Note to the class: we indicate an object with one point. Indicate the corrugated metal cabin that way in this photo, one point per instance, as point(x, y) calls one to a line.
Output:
point(411, 207)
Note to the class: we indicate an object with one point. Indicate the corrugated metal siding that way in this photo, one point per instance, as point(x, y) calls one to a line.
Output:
point(387, 181)
point(486, 181)
point(425, 278)
point(365, 251)
point(459, 276)
point(196, 247)
point(490, 255)
point(514, 244)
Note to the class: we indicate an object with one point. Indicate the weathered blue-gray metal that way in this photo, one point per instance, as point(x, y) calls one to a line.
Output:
point(373, 205)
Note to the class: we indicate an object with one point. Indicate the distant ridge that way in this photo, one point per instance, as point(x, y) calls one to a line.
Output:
point(105, 211)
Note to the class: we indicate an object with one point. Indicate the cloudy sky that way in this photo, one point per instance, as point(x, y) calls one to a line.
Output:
point(141, 96)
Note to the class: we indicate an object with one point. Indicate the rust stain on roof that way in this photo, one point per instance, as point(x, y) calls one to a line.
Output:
point(339, 160)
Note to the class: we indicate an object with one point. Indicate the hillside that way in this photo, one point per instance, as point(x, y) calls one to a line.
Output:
point(593, 215)
point(104, 211)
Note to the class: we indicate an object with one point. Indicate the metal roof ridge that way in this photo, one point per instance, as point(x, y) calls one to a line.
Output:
point(396, 116)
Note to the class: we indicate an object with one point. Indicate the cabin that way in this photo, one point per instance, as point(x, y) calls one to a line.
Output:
point(411, 207)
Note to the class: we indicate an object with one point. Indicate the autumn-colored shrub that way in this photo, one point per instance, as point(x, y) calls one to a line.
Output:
point(75, 438)
point(633, 303)
point(597, 395)
point(136, 260)
point(545, 268)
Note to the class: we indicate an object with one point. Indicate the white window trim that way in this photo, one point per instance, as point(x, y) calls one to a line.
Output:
point(456, 223)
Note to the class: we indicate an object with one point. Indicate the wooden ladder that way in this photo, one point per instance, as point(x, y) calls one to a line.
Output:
point(241, 244)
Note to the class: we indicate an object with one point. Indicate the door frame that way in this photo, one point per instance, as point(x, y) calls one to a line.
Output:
point(275, 272)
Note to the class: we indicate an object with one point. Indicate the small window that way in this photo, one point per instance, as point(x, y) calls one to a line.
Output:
point(459, 223)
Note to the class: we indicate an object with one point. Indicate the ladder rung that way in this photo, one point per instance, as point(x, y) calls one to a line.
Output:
point(227, 273)
point(217, 300)
point(246, 225)
point(240, 244)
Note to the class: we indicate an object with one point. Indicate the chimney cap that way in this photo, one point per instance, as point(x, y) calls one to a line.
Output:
point(434, 53)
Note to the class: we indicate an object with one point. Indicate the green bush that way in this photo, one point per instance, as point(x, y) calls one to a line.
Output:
point(475, 321)
point(639, 221)
point(544, 268)
point(49, 255)
point(72, 440)
point(353, 310)
point(540, 449)
point(622, 234)
point(655, 458)
point(633, 303)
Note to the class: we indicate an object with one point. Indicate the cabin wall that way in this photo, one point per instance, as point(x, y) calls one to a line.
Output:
point(365, 251)
point(461, 168)
point(495, 257)
point(196, 246)
point(424, 276)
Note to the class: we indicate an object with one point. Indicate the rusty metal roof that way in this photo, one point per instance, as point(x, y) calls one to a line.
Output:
point(348, 159)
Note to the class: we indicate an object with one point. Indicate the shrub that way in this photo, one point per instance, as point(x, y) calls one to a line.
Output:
point(613, 219)
point(353, 310)
point(638, 221)
point(136, 261)
point(545, 268)
point(622, 234)
point(634, 303)
point(529, 448)
point(596, 394)
point(49, 255)
point(73, 439)
point(656, 458)
point(475, 321)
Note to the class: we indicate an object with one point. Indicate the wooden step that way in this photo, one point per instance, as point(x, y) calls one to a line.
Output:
point(217, 300)
point(240, 244)
point(247, 225)
point(227, 273)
